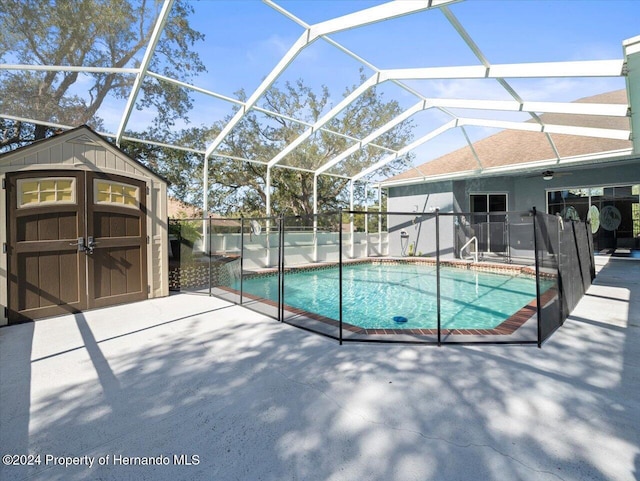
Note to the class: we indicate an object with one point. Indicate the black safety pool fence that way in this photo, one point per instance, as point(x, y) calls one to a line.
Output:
point(402, 277)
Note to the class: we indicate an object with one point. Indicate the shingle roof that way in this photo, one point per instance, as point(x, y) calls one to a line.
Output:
point(512, 147)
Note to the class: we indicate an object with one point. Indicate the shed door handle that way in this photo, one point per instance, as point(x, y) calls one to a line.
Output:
point(79, 243)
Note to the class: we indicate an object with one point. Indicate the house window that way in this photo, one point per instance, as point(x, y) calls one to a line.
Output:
point(489, 221)
point(487, 203)
point(44, 191)
point(106, 192)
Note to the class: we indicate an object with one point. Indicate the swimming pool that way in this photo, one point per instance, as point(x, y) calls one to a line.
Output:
point(376, 293)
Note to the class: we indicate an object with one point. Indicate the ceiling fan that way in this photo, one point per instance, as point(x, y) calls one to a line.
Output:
point(549, 174)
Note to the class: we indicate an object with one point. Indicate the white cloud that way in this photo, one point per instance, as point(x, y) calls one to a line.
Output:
point(273, 47)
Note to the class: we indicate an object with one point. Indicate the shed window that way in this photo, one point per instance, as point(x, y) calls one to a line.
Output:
point(116, 193)
point(42, 191)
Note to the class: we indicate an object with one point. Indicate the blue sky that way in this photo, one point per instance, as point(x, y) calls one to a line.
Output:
point(245, 39)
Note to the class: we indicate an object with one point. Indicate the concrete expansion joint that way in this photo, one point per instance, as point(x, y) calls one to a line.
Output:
point(411, 431)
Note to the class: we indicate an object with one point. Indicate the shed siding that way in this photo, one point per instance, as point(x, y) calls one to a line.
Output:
point(87, 151)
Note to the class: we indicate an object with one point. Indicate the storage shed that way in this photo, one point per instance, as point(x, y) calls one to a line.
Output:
point(86, 227)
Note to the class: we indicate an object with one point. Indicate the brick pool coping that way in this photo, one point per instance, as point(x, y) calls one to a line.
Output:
point(430, 261)
point(505, 328)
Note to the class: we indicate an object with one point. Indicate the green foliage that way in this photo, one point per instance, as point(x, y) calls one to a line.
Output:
point(182, 169)
point(239, 188)
point(115, 33)
point(95, 33)
point(262, 137)
point(189, 230)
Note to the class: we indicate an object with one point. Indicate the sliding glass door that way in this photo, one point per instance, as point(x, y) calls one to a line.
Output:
point(489, 220)
point(614, 213)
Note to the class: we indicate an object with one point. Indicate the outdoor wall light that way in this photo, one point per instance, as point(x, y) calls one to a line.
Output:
point(547, 175)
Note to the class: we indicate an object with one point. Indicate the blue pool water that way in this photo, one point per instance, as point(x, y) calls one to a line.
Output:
point(375, 294)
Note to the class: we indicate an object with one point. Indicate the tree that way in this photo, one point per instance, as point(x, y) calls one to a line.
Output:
point(239, 188)
point(96, 33)
point(183, 169)
point(261, 138)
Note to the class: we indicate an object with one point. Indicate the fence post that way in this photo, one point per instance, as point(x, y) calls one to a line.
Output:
point(537, 264)
point(340, 271)
point(592, 266)
point(208, 247)
point(560, 228)
point(279, 223)
point(438, 275)
point(241, 256)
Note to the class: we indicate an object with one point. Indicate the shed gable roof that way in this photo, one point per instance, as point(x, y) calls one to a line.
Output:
point(82, 135)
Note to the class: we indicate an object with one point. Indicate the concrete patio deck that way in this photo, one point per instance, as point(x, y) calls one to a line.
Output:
point(252, 399)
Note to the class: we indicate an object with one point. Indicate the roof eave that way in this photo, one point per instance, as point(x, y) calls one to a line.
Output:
point(527, 167)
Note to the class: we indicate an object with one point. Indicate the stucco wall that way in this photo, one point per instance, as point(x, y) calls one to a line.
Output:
point(524, 192)
point(420, 199)
point(531, 191)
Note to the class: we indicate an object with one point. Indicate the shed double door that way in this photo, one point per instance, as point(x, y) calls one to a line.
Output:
point(76, 240)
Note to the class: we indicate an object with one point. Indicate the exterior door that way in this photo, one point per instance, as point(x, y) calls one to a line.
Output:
point(77, 240)
point(489, 221)
point(116, 240)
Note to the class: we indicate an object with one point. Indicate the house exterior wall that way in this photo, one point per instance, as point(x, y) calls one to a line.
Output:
point(82, 149)
point(524, 192)
point(603, 175)
point(484, 185)
point(421, 199)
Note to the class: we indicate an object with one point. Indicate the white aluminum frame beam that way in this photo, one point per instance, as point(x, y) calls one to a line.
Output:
point(549, 128)
point(366, 85)
point(472, 147)
point(420, 106)
point(559, 69)
point(16, 118)
point(375, 14)
point(68, 68)
point(586, 68)
point(144, 66)
point(368, 16)
point(574, 108)
point(613, 110)
point(405, 150)
point(505, 85)
point(524, 126)
point(242, 104)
